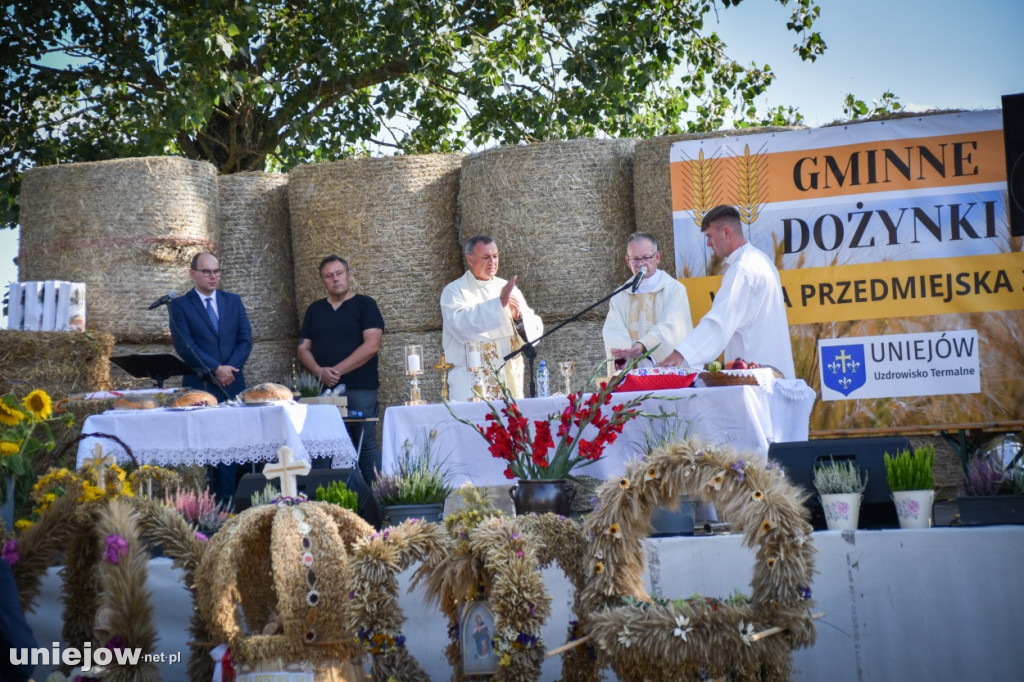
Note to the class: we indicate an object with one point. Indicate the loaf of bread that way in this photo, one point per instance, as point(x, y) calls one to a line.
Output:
point(194, 398)
point(135, 402)
point(265, 393)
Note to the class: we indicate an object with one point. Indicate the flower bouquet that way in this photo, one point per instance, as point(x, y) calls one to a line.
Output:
point(534, 455)
point(24, 431)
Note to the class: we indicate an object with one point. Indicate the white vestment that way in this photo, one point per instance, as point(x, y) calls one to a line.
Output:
point(472, 311)
point(747, 318)
point(658, 314)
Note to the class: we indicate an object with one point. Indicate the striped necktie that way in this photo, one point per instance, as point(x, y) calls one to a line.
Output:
point(212, 314)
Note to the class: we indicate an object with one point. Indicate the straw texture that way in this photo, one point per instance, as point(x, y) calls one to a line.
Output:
point(392, 219)
point(126, 227)
point(256, 257)
point(60, 363)
point(560, 213)
point(271, 361)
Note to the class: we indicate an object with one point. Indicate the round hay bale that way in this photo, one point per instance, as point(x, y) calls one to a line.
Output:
point(256, 252)
point(560, 213)
point(125, 227)
point(60, 363)
point(399, 210)
point(271, 360)
point(394, 383)
point(652, 187)
point(579, 341)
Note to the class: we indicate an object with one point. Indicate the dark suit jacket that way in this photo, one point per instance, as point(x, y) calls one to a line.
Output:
point(202, 348)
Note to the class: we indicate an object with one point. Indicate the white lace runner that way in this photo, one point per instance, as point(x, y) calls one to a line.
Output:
point(223, 435)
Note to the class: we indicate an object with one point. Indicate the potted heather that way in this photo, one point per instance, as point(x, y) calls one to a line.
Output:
point(841, 489)
point(418, 488)
point(912, 485)
point(994, 484)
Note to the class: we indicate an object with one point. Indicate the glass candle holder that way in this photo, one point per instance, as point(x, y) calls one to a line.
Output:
point(414, 367)
point(475, 365)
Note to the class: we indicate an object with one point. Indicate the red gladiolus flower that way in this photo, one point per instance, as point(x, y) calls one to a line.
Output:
point(509, 474)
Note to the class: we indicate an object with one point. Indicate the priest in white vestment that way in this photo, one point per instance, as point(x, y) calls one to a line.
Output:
point(656, 315)
point(479, 306)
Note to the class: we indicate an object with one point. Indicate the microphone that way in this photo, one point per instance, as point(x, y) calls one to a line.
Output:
point(163, 300)
point(639, 278)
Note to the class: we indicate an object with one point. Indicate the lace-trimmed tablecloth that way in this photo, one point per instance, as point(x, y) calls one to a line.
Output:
point(747, 418)
point(222, 435)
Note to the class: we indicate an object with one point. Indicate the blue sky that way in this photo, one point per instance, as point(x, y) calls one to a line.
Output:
point(948, 54)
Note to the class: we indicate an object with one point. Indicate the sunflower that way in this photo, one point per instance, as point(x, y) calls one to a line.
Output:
point(8, 448)
point(9, 415)
point(39, 404)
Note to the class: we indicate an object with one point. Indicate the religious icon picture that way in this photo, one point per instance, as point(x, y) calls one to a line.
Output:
point(476, 638)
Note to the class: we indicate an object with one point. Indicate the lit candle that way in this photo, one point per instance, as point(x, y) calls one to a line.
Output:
point(474, 359)
point(413, 363)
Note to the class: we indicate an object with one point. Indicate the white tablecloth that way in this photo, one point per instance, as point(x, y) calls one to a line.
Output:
point(746, 418)
point(222, 435)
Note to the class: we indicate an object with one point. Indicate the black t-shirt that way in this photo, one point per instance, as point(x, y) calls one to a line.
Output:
point(337, 333)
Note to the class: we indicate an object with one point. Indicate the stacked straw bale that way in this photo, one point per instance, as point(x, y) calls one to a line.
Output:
point(271, 360)
point(652, 187)
point(560, 213)
point(125, 227)
point(256, 255)
point(580, 341)
point(60, 363)
point(392, 219)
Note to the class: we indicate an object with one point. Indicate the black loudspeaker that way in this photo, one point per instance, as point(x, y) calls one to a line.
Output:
point(369, 510)
point(798, 459)
point(1013, 139)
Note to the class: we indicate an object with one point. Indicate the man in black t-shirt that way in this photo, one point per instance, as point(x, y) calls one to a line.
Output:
point(338, 344)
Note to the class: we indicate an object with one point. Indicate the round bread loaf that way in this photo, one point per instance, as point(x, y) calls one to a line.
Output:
point(135, 402)
point(194, 399)
point(263, 393)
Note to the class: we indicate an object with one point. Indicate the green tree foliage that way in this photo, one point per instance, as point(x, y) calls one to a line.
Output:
point(272, 83)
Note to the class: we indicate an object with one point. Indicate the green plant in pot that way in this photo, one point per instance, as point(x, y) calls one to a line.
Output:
point(841, 489)
point(912, 485)
point(994, 483)
point(419, 487)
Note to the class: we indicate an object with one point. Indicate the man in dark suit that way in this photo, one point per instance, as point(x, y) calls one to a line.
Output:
point(211, 333)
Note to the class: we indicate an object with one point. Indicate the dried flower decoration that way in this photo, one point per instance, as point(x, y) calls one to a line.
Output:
point(614, 530)
point(623, 483)
point(757, 495)
point(682, 627)
point(10, 552)
point(116, 547)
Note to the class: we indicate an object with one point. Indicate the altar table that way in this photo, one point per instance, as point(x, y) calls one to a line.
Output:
point(225, 434)
point(746, 418)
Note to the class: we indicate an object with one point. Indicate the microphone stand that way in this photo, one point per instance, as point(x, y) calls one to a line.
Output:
point(207, 373)
point(530, 353)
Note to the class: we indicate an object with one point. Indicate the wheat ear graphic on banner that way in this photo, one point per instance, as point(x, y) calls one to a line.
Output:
point(702, 186)
point(748, 186)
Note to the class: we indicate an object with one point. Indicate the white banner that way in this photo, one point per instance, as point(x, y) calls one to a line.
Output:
point(896, 365)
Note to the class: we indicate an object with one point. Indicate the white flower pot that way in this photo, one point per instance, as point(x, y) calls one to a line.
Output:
point(914, 507)
point(842, 510)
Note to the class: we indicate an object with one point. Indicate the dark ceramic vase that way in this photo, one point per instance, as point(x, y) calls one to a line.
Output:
point(541, 496)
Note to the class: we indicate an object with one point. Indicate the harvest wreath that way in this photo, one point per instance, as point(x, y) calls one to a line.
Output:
point(652, 639)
